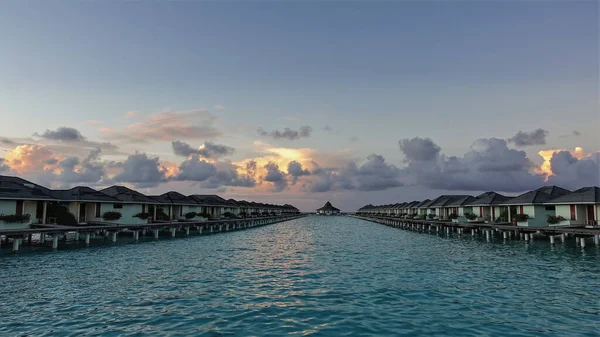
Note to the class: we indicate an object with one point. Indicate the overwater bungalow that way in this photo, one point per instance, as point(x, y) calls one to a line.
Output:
point(488, 207)
point(440, 205)
point(531, 209)
point(22, 203)
point(85, 203)
point(328, 209)
point(179, 207)
point(456, 208)
point(580, 207)
point(211, 204)
point(133, 207)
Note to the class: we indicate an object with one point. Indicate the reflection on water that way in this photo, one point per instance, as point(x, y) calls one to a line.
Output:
point(323, 276)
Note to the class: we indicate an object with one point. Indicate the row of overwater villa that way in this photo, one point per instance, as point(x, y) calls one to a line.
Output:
point(545, 207)
point(25, 205)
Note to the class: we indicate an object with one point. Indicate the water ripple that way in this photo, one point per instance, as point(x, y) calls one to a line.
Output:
point(317, 276)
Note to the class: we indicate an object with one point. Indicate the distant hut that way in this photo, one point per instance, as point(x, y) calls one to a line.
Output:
point(328, 209)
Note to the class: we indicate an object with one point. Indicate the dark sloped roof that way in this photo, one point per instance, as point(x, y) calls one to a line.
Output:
point(461, 201)
point(174, 198)
point(128, 195)
point(16, 188)
point(532, 197)
point(489, 198)
point(553, 190)
point(587, 195)
point(422, 203)
point(209, 200)
point(537, 196)
point(427, 204)
point(328, 207)
point(443, 200)
point(83, 193)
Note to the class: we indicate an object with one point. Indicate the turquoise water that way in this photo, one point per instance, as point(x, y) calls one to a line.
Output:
point(318, 276)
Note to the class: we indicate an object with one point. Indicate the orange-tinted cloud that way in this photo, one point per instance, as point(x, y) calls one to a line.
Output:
point(30, 158)
point(546, 167)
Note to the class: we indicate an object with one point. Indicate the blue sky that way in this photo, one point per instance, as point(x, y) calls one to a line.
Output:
point(376, 71)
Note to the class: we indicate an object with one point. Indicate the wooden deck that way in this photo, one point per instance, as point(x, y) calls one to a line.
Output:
point(506, 229)
point(54, 231)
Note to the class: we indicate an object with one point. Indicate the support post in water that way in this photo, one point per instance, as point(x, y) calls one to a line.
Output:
point(55, 241)
point(87, 239)
point(114, 237)
point(16, 244)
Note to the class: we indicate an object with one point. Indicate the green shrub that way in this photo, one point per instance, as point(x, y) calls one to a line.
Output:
point(453, 216)
point(111, 216)
point(142, 216)
point(61, 214)
point(190, 215)
point(553, 219)
point(470, 216)
point(203, 215)
point(521, 217)
point(228, 215)
point(431, 216)
point(13, 218)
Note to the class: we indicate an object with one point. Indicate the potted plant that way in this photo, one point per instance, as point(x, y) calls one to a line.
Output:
point(111, 216)
point(553, 219)
point(470, 217)
point(190, 215)
point(521, 217)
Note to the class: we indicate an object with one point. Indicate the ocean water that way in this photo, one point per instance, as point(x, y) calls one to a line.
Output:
point(316, 276)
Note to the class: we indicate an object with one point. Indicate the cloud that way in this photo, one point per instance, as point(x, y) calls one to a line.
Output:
point(292, 118)
point(131, 115)
point(89, 170)
point(251, 168)
point(94, 122)
point(576, 133)
point(30, 158)
point(374, 175)
point(420, 149)
point(488, 165)
point(287, 133)
point(227, 175)
point(213, 175)
point(327, 128)
point(296, 170)
point(142, 171)
point(6, 141)
point(219, 107)
point(571, 172)
point(166, 126)
point(64, 134)
point(275, 176)
point(353, 139)
point(535, 137)
point(195, 169)
point(3, 167)
point(207, 150)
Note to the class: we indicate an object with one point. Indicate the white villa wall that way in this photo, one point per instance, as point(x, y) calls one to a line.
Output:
point(127, 213)
point(9, 207)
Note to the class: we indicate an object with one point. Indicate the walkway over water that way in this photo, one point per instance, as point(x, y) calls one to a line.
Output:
point(316, 276)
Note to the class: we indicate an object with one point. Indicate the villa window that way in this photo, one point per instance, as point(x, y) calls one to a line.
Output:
point(551, 208)
point(117, 205)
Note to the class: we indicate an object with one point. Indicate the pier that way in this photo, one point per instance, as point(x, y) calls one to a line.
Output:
point(51, 235)
point(506, 231)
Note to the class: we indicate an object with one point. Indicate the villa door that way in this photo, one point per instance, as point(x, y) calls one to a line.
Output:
point(81, 212)
point(590, 214)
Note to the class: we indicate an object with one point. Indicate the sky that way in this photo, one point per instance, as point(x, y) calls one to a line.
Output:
point(301, 102)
